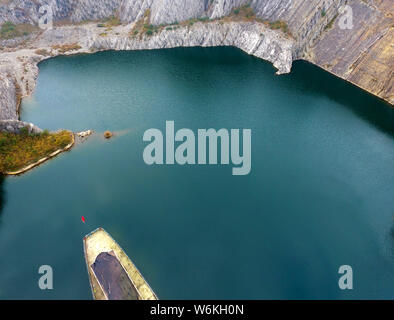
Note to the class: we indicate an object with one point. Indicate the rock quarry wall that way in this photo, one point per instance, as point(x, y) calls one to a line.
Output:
point(362, 55)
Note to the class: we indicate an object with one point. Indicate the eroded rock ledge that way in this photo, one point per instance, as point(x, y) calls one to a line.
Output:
point(363, 55)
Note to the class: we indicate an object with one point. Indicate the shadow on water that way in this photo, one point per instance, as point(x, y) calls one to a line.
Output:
point(371, 109)
point(2, 194)
point(391, 241)
point(310, 79)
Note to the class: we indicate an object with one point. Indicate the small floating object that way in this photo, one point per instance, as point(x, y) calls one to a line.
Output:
point(83, 219)
point(108, 134)
point(84, 134)
point(112, 275)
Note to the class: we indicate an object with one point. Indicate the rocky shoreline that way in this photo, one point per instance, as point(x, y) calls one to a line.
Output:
point(355, 56)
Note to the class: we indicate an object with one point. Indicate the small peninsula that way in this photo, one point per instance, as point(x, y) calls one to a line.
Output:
point(24, 151)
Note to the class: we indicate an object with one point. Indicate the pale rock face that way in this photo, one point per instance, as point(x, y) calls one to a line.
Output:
point(302, 17)
point(250, 37)
point(169, 11)
point(8, 93)
point(15, 126)
point(18, 76)
point(221, 8)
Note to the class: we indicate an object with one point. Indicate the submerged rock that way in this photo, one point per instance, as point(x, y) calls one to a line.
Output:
point(108, 134)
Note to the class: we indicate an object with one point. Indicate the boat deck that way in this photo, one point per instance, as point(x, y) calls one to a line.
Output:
point(112, 275)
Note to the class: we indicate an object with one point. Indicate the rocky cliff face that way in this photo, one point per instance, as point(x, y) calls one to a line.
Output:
point(303, 17)
point(362, 55)
point(8, 96)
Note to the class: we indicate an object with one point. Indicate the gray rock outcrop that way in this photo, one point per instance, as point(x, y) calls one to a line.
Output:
point(15, 126)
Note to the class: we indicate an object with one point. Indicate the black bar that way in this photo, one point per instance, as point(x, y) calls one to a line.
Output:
point(200, 309)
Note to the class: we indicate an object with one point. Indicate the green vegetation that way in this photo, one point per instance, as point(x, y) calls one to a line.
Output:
point(244, 12)
point(20, 150)
point(279, 25)
point(149, 29)
point(110, 22)
point(323, 13)
point(8, 30)
point(331, 23)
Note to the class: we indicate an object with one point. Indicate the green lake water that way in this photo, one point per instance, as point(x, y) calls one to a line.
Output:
point(320, 193)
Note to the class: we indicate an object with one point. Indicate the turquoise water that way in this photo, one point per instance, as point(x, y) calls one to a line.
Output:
point(319, 195)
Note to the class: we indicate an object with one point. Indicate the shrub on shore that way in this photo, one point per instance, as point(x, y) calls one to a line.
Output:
point(109, 22)
point(9, 30)
point(66, 47)
point(279, 25)
point(42, 52)
point(20, 150)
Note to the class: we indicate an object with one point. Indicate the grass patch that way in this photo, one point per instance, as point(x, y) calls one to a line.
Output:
point(331, 23)
point(139, 27)
point(109, 22)
point(282, 25)
point(66, 47)
point(243, 13)
point(42, 52)
point(8, 30)
point(246, 13)
point(279, 25)
point(20, 150)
